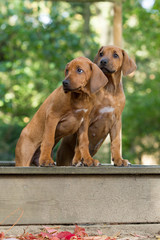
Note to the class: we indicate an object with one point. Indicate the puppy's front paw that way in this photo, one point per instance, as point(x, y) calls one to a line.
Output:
point(76, 162)
point(89, 162)
point(125, 163)
point(79, 164)
point(121, 162)
point(46, 162)
point(96, 163)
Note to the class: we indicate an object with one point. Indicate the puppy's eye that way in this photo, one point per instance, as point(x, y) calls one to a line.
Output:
point(101, 54)
point(66, 71)
point(79, 70)
point(115, 55)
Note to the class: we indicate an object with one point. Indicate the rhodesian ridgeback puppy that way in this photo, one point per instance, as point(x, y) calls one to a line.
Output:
point(105, 117)
point(64, 112)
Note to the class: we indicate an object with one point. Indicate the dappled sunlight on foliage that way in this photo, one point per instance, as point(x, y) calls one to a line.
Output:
point(141, 129)
point(38, 38)
point(37, 41)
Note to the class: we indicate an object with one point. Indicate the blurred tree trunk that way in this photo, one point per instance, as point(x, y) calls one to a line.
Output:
point(86, 13)
point(117, 24)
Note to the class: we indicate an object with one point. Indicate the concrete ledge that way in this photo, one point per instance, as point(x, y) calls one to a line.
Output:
point(69, 195)
point(7, 163)
point(102, 170)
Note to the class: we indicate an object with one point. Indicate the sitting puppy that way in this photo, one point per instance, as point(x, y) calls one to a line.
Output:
point(64, 112)
point(105, 117)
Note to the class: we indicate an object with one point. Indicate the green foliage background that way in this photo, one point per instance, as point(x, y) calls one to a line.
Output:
point(141, 118)
point(38, 38)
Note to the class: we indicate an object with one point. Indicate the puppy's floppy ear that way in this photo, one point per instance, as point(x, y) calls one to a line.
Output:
point(98, 79)
point(96, 57)
point(128, 65)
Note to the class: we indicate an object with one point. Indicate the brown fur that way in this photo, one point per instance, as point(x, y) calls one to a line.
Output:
point(64, 112)
point(105, 117)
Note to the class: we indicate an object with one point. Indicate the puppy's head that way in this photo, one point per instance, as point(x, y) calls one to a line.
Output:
point(83, 75)
point(111, 59)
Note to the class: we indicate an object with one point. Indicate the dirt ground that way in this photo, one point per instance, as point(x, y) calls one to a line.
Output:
point(121, 232)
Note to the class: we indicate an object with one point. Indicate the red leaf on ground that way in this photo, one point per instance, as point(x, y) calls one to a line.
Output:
point(27, 236)
point(70, 236)
point(48, 235)
point(76, 238)
point(99, 232)
point(65, 235)
point(1, 235)
point(50, 230)
point(93, 238)
point(110, 238)
point(53, 234)
point(79, 231)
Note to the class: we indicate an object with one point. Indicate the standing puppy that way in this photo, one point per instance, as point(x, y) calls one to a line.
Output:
point(105, 117)
point(64, 112)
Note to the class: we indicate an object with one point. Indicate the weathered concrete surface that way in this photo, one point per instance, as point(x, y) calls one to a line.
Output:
point(62, 195)
point(102, 170)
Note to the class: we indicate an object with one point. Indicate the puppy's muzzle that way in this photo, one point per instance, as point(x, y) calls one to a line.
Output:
point(66, 85)
point(104, 62)
point(105, 66)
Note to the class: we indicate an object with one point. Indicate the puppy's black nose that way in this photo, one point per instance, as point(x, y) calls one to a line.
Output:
point(104, 61)
point(65, 83)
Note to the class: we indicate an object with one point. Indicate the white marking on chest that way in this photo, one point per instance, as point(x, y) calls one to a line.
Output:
point(82, 109)
point(106, 110)
point(82, 119)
